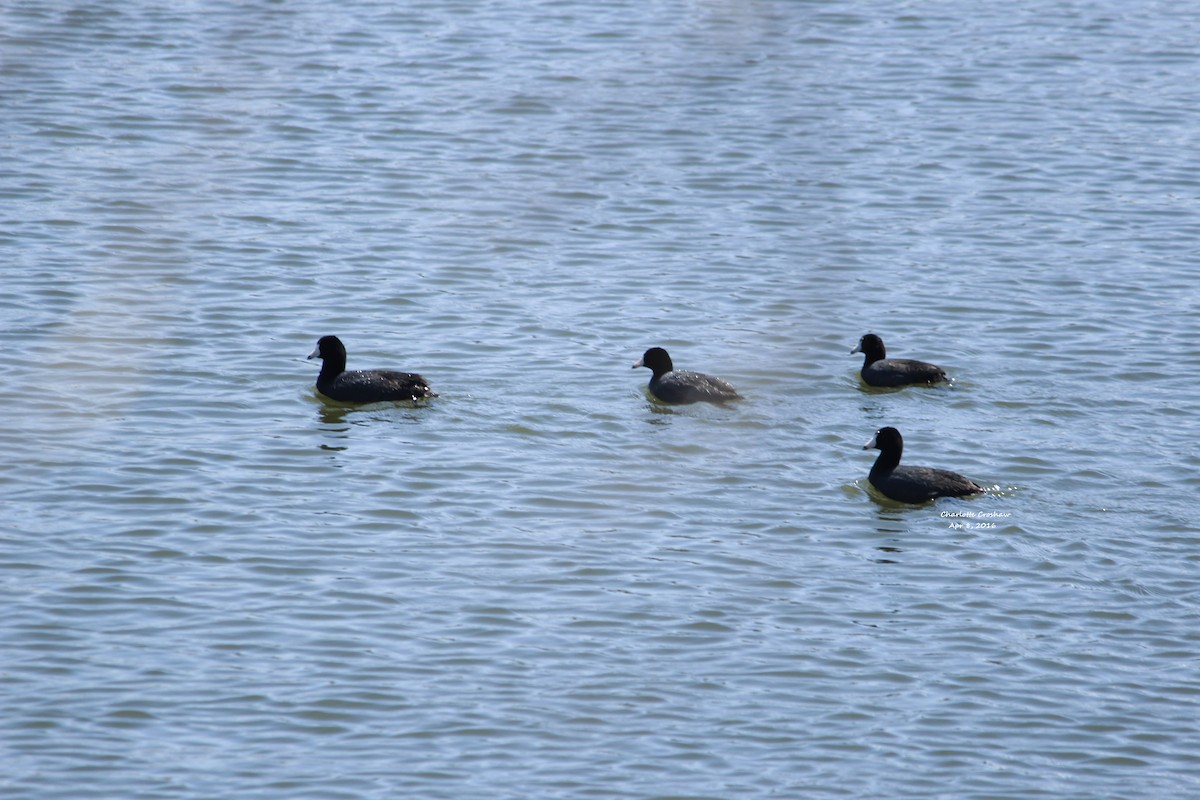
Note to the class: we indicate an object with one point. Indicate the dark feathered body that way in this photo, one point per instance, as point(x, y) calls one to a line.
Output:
point(363, 386)
point(912, 484)
point(680, 386)
point(879, 370)
point(372, 386)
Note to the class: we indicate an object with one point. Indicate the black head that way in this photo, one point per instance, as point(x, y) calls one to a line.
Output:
point(871, 346)
point(330, 350)
point(887, 440)
point(656, 360)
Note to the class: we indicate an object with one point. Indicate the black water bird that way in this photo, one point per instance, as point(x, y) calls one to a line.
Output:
point(912, 484)
point(879, 370)
point(363, 386)
point(678, 386)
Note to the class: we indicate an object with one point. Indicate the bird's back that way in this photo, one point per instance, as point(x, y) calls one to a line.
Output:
point(901, 372)
point(681, 386)
point(921, 484)
point(374, 386)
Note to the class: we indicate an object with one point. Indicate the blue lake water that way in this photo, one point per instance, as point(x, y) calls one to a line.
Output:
point(541, 584)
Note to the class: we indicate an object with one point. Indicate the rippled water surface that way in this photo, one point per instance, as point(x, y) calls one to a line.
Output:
point(541, 584)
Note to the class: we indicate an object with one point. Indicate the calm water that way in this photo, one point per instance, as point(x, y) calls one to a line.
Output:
point(542, 585)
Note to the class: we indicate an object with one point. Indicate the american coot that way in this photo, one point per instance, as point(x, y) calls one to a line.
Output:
point(912, 484)
point(363, 386)
point(878, 370)
point(671, 386)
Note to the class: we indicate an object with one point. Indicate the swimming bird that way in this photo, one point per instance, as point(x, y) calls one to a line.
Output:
point(879, 370)
point(677, 386)
point(363, 386)
point(912, 484)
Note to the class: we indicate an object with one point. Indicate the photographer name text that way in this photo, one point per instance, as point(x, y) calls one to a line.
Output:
point(974, 520)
